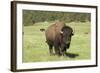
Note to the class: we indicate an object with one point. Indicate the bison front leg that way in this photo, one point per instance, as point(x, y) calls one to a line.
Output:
point(63, 49)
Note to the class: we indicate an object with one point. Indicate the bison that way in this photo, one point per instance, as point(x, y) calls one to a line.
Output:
point(58, 35)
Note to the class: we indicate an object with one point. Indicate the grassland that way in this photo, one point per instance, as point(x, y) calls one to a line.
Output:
point(36, 50)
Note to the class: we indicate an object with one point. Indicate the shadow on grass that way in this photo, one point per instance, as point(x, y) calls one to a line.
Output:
point(71, 55)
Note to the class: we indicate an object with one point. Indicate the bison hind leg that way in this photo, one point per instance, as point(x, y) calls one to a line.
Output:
point(51, 49)
point(57, 50)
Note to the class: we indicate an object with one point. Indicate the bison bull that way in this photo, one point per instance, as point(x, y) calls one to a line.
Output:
point(58, 35)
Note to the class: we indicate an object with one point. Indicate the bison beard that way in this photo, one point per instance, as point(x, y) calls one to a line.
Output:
point(58, 35)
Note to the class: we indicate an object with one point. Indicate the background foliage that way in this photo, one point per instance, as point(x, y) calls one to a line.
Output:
point(30, 17)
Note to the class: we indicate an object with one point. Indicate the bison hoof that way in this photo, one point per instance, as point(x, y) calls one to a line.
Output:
point(52, 54)
point(59, 54)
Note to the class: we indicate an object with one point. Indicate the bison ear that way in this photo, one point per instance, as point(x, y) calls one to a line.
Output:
point(72, 33)
point(61, 32)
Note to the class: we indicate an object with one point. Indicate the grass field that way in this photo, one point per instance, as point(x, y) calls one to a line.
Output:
point(36, 50)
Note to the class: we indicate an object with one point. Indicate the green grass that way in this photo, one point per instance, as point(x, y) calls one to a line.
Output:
point(36, 50)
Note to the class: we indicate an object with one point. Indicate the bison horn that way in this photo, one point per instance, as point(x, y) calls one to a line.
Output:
point(61, 32)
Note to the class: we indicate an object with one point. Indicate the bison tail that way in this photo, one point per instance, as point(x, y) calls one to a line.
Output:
point(42, 29)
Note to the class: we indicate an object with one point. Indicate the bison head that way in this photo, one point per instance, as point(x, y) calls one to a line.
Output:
point(66, 34)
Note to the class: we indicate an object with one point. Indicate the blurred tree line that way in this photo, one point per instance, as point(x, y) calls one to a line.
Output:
point(32, 16)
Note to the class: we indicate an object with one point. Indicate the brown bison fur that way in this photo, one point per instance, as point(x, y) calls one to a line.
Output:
point(54, 37)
